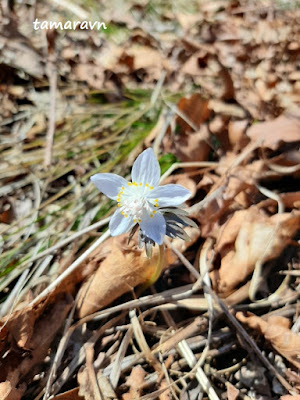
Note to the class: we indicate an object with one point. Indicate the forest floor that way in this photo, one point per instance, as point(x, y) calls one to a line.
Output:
point(214, 88)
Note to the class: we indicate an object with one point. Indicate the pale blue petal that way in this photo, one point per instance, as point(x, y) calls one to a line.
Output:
point(119, 224)
point(169, 195)
point(155, 227)
point(146, 169)
point(109, 184)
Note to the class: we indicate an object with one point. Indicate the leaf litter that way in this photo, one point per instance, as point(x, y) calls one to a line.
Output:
point(213, 84)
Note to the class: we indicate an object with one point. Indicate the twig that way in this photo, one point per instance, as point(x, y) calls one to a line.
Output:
point(117, 363)
point(200, 164)
point(183, 259)
point(60, 351)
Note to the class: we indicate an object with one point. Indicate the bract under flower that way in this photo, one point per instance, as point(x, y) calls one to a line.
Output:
point(140, 200)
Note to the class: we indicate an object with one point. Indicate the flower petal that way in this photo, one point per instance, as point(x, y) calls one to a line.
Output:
point(169, 195)
point(146, 168)
point(155, 227)
point(109, 184)
point(119, 224)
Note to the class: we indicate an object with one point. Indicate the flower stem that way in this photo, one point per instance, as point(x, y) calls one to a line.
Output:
point(156, 274)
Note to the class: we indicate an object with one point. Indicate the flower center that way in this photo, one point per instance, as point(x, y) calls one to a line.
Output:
point(133, 201)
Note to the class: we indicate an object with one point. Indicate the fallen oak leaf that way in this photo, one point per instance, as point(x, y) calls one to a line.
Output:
point(285, 128)
point(190, 141)
point(248, 237)
point(124, 267)
point(276, 330)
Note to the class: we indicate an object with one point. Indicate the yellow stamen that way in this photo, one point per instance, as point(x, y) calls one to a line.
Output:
point(139, 220)
point(125, 215)
point(154, 212)
point(151, 187)
point(147, 184)
point(119, 205)
point(129, 183)
point(122, 188)
point(151, 215)
point(140, 184)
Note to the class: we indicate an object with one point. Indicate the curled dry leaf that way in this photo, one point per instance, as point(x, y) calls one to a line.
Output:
point(248, 237)
point(20, 325)
point(276, 330)
point(232, 188)
point(15, 370)
point(147, 58)
point(189, 143)
point(124, 267)
point(285, 128)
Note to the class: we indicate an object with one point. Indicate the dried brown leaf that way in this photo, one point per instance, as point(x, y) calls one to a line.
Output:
point(276, 330)
point(72, 394)
point(251, 236)
point(93, 74)
point(16, 368)
point(285, 128)
point(195, 109)
point(124, 267)
point(189, 143)
point(237, 134)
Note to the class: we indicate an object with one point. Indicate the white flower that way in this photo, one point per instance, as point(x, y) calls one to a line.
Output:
point(142, 200)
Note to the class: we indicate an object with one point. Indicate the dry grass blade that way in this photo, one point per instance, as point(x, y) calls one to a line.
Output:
point(116, 368)
point(200, 375)
point(70, 269)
